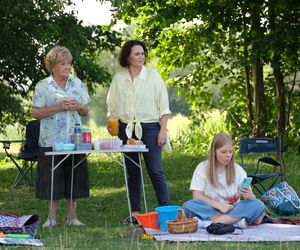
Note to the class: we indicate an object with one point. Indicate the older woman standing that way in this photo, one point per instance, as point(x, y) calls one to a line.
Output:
point(138, 98)
point(59, 102)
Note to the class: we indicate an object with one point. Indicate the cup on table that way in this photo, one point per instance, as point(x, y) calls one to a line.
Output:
point(113, 123)
point(96, 144)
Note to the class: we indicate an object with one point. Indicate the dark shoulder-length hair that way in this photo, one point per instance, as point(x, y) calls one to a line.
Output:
point(126, 50)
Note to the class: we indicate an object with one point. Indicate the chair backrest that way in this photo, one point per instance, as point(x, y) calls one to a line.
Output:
point(260, 145)
point(31, 147)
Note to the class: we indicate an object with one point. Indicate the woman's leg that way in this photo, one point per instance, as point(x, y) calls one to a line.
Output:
point(153, 162)
point(71, 209)
point(52, 212)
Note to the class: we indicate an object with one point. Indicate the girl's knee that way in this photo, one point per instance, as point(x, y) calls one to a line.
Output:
point(259, 205)
point(187, 208)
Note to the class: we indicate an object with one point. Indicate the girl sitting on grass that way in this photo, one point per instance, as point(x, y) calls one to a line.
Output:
point(216, 189)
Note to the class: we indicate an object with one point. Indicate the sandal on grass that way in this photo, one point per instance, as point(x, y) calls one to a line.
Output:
point(127, 221)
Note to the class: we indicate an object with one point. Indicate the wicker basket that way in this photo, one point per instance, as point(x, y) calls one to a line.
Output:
point(182, 224)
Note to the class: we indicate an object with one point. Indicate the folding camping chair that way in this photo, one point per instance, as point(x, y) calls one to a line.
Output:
point(268, 171)
point(28, 154)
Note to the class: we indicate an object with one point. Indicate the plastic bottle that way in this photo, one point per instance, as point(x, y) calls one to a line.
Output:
point(86, 135)
point(77, 134)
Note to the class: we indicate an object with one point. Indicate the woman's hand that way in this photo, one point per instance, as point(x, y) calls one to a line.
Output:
point(108, 127)
point(162, 137)
point(247, 193)
point(74, 104)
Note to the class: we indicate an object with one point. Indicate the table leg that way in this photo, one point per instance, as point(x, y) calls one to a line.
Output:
point(127, 189)
point(143, 185)
point(52, 183)
point(72, 183)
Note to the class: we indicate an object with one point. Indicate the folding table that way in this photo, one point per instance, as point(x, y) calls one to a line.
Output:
point(110, 153)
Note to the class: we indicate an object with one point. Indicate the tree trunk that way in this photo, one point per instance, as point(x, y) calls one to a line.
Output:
point(259, 94)
point(276, 64)
point(248, 89)
point(280, 92)
point(259, 98)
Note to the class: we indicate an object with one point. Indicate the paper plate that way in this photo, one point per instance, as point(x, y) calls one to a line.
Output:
point(139, 146)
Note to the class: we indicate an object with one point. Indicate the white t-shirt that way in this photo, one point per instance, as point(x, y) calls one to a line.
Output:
point(222, 193)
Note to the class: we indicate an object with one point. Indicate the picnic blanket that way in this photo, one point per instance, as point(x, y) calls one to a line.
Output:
point(263, 232)
point(15, 241)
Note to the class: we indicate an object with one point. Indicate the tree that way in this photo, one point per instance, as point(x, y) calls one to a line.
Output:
point(28, 30)
point(240, 56)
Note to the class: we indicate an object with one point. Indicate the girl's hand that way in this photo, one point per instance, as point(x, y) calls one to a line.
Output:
point(224, 207)
point(247, 193)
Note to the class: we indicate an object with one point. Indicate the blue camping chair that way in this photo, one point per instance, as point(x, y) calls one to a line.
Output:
point(27, 157)
point(269, 168)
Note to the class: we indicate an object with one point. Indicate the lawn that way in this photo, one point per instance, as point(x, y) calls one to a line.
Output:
point(107, 206)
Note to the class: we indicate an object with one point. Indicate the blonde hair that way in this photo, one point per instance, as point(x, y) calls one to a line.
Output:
point(219, 141)
point(56, 55)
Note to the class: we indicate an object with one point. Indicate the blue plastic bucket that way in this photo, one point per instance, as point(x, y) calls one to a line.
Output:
point(166, 213)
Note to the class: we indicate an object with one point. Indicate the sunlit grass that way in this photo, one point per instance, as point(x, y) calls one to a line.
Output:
point(107, 205)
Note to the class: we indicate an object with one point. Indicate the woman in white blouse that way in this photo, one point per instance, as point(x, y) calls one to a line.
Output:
point(138, 98)
point(216, 189)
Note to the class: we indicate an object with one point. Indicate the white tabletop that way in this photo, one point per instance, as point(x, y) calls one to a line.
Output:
point(116, 150)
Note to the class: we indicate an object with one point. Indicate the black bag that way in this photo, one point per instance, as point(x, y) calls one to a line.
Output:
point(13, 224)
point(220, 228)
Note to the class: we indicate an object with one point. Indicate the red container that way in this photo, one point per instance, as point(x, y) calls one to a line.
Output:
point(86, 136)
point(148, 220)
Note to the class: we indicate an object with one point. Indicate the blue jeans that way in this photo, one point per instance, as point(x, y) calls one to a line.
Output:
point(248, 209)
point(153, 162)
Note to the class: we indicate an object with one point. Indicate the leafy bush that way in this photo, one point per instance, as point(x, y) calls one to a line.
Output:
point(194, 138)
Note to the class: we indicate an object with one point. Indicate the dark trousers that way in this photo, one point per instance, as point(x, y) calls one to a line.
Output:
point(153, 162)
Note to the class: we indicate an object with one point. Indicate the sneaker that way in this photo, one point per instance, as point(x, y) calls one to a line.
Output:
point(74, 222)
point(242, 224)
point(203, 223)
point(49, 223)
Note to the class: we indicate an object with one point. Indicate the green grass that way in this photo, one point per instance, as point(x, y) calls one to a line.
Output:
point(107, 205)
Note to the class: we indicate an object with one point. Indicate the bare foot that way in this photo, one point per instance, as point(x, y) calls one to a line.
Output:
point(258, 220)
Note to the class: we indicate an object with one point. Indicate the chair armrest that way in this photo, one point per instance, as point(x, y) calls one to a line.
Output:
point(270, 161)
point(6, 143)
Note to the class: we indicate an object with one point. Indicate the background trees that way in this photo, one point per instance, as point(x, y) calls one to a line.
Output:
point(241, 57)
point(28, 29)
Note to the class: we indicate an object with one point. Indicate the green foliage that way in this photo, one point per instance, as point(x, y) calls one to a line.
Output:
point(28, 30)
point(194, 138)
point(204, 48)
